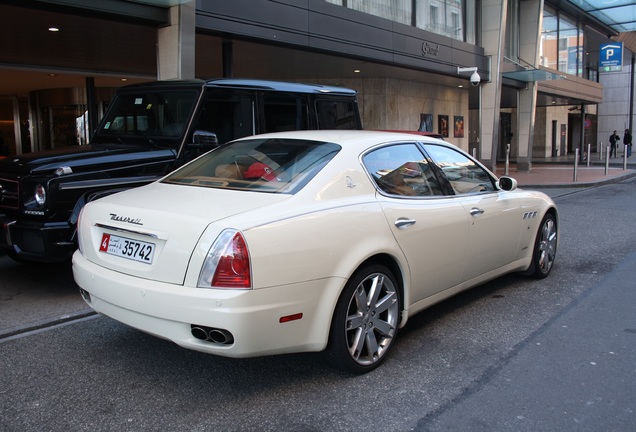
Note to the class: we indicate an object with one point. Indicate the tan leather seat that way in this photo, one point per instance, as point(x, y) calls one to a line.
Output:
point(231, 171)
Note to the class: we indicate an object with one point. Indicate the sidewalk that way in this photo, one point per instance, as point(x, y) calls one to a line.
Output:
point(559, 172)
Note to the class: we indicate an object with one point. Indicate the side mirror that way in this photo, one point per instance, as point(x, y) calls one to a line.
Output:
point(202, 142)
point(507, 183)
point(202, 138)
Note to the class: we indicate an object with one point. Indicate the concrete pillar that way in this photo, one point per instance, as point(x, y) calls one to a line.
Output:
point(530, 22)
point(494, 15)
point(175, 44)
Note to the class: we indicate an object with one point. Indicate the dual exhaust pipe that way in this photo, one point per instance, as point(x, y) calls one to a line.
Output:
point(211, 334)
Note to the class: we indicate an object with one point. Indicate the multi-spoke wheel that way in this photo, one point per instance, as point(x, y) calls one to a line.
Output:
point(545, 247)
point(365, 321)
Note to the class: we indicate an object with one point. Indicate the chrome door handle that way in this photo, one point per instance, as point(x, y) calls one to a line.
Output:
point(476, 211)
point(404, 223)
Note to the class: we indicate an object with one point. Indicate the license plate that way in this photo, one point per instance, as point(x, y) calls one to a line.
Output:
point(127, 248)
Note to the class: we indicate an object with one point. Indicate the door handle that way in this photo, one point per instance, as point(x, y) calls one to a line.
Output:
point(476, 211)
point(404, 223)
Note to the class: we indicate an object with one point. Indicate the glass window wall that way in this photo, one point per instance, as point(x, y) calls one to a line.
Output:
point(561, 43)
point(395, 10)
point(549, 39)
point(452, 18)
point(569, 48)
point(443, 17)
point(511, 48)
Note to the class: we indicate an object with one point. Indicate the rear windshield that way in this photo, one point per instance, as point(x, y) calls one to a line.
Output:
point(263, 165)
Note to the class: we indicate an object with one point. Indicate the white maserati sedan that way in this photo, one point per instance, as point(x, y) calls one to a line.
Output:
point(307, 241)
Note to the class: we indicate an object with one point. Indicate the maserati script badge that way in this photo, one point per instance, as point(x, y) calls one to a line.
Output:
point(116, 217)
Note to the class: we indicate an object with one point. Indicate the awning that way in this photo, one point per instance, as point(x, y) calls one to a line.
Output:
point(618, 14)
point(531, 75)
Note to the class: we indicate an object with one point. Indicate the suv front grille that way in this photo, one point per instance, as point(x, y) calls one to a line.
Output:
point(9, 194)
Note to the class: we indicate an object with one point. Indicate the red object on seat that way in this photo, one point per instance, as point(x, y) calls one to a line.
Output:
point(258, 170)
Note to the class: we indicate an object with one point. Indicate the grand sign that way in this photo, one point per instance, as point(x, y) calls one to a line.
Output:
point(429, 49)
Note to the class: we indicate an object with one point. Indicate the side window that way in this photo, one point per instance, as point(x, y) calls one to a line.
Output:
point(227, 114)
point(464, 175)
point(336, 114)
point(402, 170)
point(284, 112)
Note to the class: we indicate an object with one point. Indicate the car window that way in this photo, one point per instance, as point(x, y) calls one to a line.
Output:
point(402, 170)
point(464, 175)
point(228, 114)
point(336, 114)
point(284, 112)
point(261, 165)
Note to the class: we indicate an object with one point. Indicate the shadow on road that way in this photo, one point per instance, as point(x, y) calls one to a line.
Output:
point(33, 293)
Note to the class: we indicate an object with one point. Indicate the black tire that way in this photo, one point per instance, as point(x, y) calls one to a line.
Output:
point(545, 247)
point(365, 321)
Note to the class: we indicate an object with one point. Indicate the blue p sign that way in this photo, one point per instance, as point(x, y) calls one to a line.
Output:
point(611, 57)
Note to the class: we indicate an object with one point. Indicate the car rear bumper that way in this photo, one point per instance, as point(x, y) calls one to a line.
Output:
point(252, 317)
point(35, 241)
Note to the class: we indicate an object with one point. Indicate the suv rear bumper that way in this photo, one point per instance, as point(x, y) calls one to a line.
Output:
point(35, 241)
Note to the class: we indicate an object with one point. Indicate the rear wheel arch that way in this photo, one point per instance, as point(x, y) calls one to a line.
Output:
point(366, 316)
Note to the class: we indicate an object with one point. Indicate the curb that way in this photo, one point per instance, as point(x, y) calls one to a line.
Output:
point(603, 182)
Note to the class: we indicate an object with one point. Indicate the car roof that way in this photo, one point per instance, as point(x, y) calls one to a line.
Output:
point(357, 140)
point(254, 84)
point(248, 84)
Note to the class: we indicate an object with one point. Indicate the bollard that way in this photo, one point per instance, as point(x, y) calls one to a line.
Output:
point(589, 154)
point(576, 164)
point(607, 153)
point(474, 152)
point(625, 158)
point(507, 159)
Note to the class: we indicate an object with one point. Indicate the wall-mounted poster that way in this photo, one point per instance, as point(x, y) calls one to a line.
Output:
point(459, 127)
point(442, 125)
point(426, 123)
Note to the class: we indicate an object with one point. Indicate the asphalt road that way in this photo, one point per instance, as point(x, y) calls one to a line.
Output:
point(512, 355)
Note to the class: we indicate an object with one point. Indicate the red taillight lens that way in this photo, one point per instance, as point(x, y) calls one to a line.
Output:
point(233, 268)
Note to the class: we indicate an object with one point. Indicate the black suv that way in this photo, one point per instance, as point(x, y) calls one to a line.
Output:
point(149, 130)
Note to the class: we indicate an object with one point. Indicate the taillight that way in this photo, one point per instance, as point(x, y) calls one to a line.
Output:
point(80, 246)
point(227, 264)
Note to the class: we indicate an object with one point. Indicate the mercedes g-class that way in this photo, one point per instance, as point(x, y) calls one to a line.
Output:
point(149, 130)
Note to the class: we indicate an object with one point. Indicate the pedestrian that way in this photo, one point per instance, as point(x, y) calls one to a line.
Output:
point(613, 139)
point(627, 140)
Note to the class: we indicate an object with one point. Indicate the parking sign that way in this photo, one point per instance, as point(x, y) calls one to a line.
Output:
point(611, 57)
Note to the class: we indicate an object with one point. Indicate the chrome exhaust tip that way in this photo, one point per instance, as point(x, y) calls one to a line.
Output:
point(199, 333)
point(85, 295)
point(213, 335)
point(220, 336)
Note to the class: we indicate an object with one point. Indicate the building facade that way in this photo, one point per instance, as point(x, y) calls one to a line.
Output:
point(540, 92)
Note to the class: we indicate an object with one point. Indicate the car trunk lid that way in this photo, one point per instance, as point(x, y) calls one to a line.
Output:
point(152, 231)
